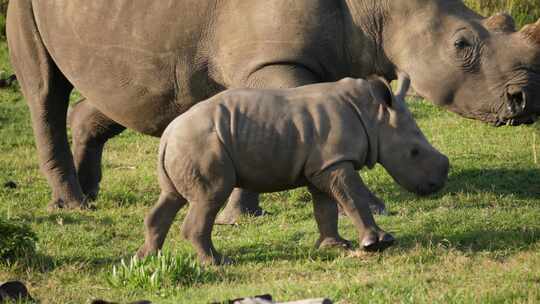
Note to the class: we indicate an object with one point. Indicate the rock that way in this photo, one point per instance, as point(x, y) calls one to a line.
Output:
point(98, 301)
point(267, 299)
point(14, 291)
point(10, 185)
point(8, 82)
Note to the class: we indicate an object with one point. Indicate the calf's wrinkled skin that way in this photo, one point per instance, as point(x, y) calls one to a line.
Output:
point(272, 140)
point(142, 63)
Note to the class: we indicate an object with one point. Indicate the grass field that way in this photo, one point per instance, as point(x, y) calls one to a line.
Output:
point(476, 241)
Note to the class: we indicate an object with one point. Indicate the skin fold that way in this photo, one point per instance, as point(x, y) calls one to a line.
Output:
point(142, 63)
point(272, 140)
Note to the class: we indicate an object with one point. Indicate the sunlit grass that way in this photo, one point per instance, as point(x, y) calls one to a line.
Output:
point(476, 241)
point(163, 273)
point(523, 11)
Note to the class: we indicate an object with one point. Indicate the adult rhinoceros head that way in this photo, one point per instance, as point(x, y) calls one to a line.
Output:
point(479, 67)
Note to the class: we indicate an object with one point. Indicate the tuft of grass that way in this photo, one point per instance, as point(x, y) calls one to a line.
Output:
point(162, 272)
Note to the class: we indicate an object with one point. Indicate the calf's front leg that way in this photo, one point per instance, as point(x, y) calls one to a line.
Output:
point(326, 214)
point(343, 184)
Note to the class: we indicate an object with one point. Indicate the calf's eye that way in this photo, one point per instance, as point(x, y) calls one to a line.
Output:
point(461, 44)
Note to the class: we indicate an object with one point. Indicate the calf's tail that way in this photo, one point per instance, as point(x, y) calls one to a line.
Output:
point(164, 179)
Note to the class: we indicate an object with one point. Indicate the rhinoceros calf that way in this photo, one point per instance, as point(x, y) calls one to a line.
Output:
point(272, 140)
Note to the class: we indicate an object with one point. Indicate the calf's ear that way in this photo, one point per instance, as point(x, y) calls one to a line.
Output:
point(382, 92)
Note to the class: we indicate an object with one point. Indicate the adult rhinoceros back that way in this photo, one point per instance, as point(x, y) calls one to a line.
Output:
point(159, 58)
point(141, 63)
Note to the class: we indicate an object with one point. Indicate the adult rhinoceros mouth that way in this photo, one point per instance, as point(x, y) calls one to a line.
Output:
point(526, 120)
point(516, 108)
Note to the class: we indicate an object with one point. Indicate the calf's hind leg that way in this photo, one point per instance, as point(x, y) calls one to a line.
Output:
point(197, 228)
point(159, 221)
point(90, 131)
point(201, 171)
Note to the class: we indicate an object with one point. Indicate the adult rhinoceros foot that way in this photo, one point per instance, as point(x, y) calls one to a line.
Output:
point(58, 203)
point(91, 194)
point(241, 202)
point(332, 242)
point(378, 207)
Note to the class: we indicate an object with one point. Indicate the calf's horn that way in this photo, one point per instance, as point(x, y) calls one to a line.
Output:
point(532, 32)
point(501, 22)
point(404, 83)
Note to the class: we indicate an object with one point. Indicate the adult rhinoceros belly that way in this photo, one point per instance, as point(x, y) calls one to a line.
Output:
point(134, 59)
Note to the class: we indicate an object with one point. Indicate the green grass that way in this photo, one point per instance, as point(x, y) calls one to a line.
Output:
point(476, 241)
point(17, 240)
point(164, 273)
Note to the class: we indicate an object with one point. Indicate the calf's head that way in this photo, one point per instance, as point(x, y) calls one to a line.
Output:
point(478, 67)
point(403, 150)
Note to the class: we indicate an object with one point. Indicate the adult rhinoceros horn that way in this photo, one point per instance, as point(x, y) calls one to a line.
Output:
point(501, 22)
point(532, 32)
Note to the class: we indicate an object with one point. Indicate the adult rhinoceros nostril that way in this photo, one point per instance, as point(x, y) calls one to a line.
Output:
point(517, 102)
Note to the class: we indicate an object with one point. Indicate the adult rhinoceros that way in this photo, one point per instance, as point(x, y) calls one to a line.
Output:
point(141, 63)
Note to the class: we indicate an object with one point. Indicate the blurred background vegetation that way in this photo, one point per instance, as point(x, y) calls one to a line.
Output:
point(3, 9)
point(524, 11)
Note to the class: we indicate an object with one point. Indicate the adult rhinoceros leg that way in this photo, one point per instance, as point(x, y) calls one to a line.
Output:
point(47, 94)
point(270, 77)
point(90, 131)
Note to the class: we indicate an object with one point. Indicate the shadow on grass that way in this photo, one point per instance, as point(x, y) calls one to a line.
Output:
point(65, 218)
point(35, 262)
point(264, 253)
point(522, 183)
point(45, 264)
point(479, 240)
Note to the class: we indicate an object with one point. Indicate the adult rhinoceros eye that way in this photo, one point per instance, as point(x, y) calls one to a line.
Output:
point(415, 152)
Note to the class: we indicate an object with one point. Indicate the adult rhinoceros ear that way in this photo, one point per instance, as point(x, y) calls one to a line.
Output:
point(532, 32)
point(381, 91)
point(501, 22)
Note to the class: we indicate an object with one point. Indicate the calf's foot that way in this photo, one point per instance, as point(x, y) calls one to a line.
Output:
point(145, 251)
point(377, 241)
point(241, 202)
